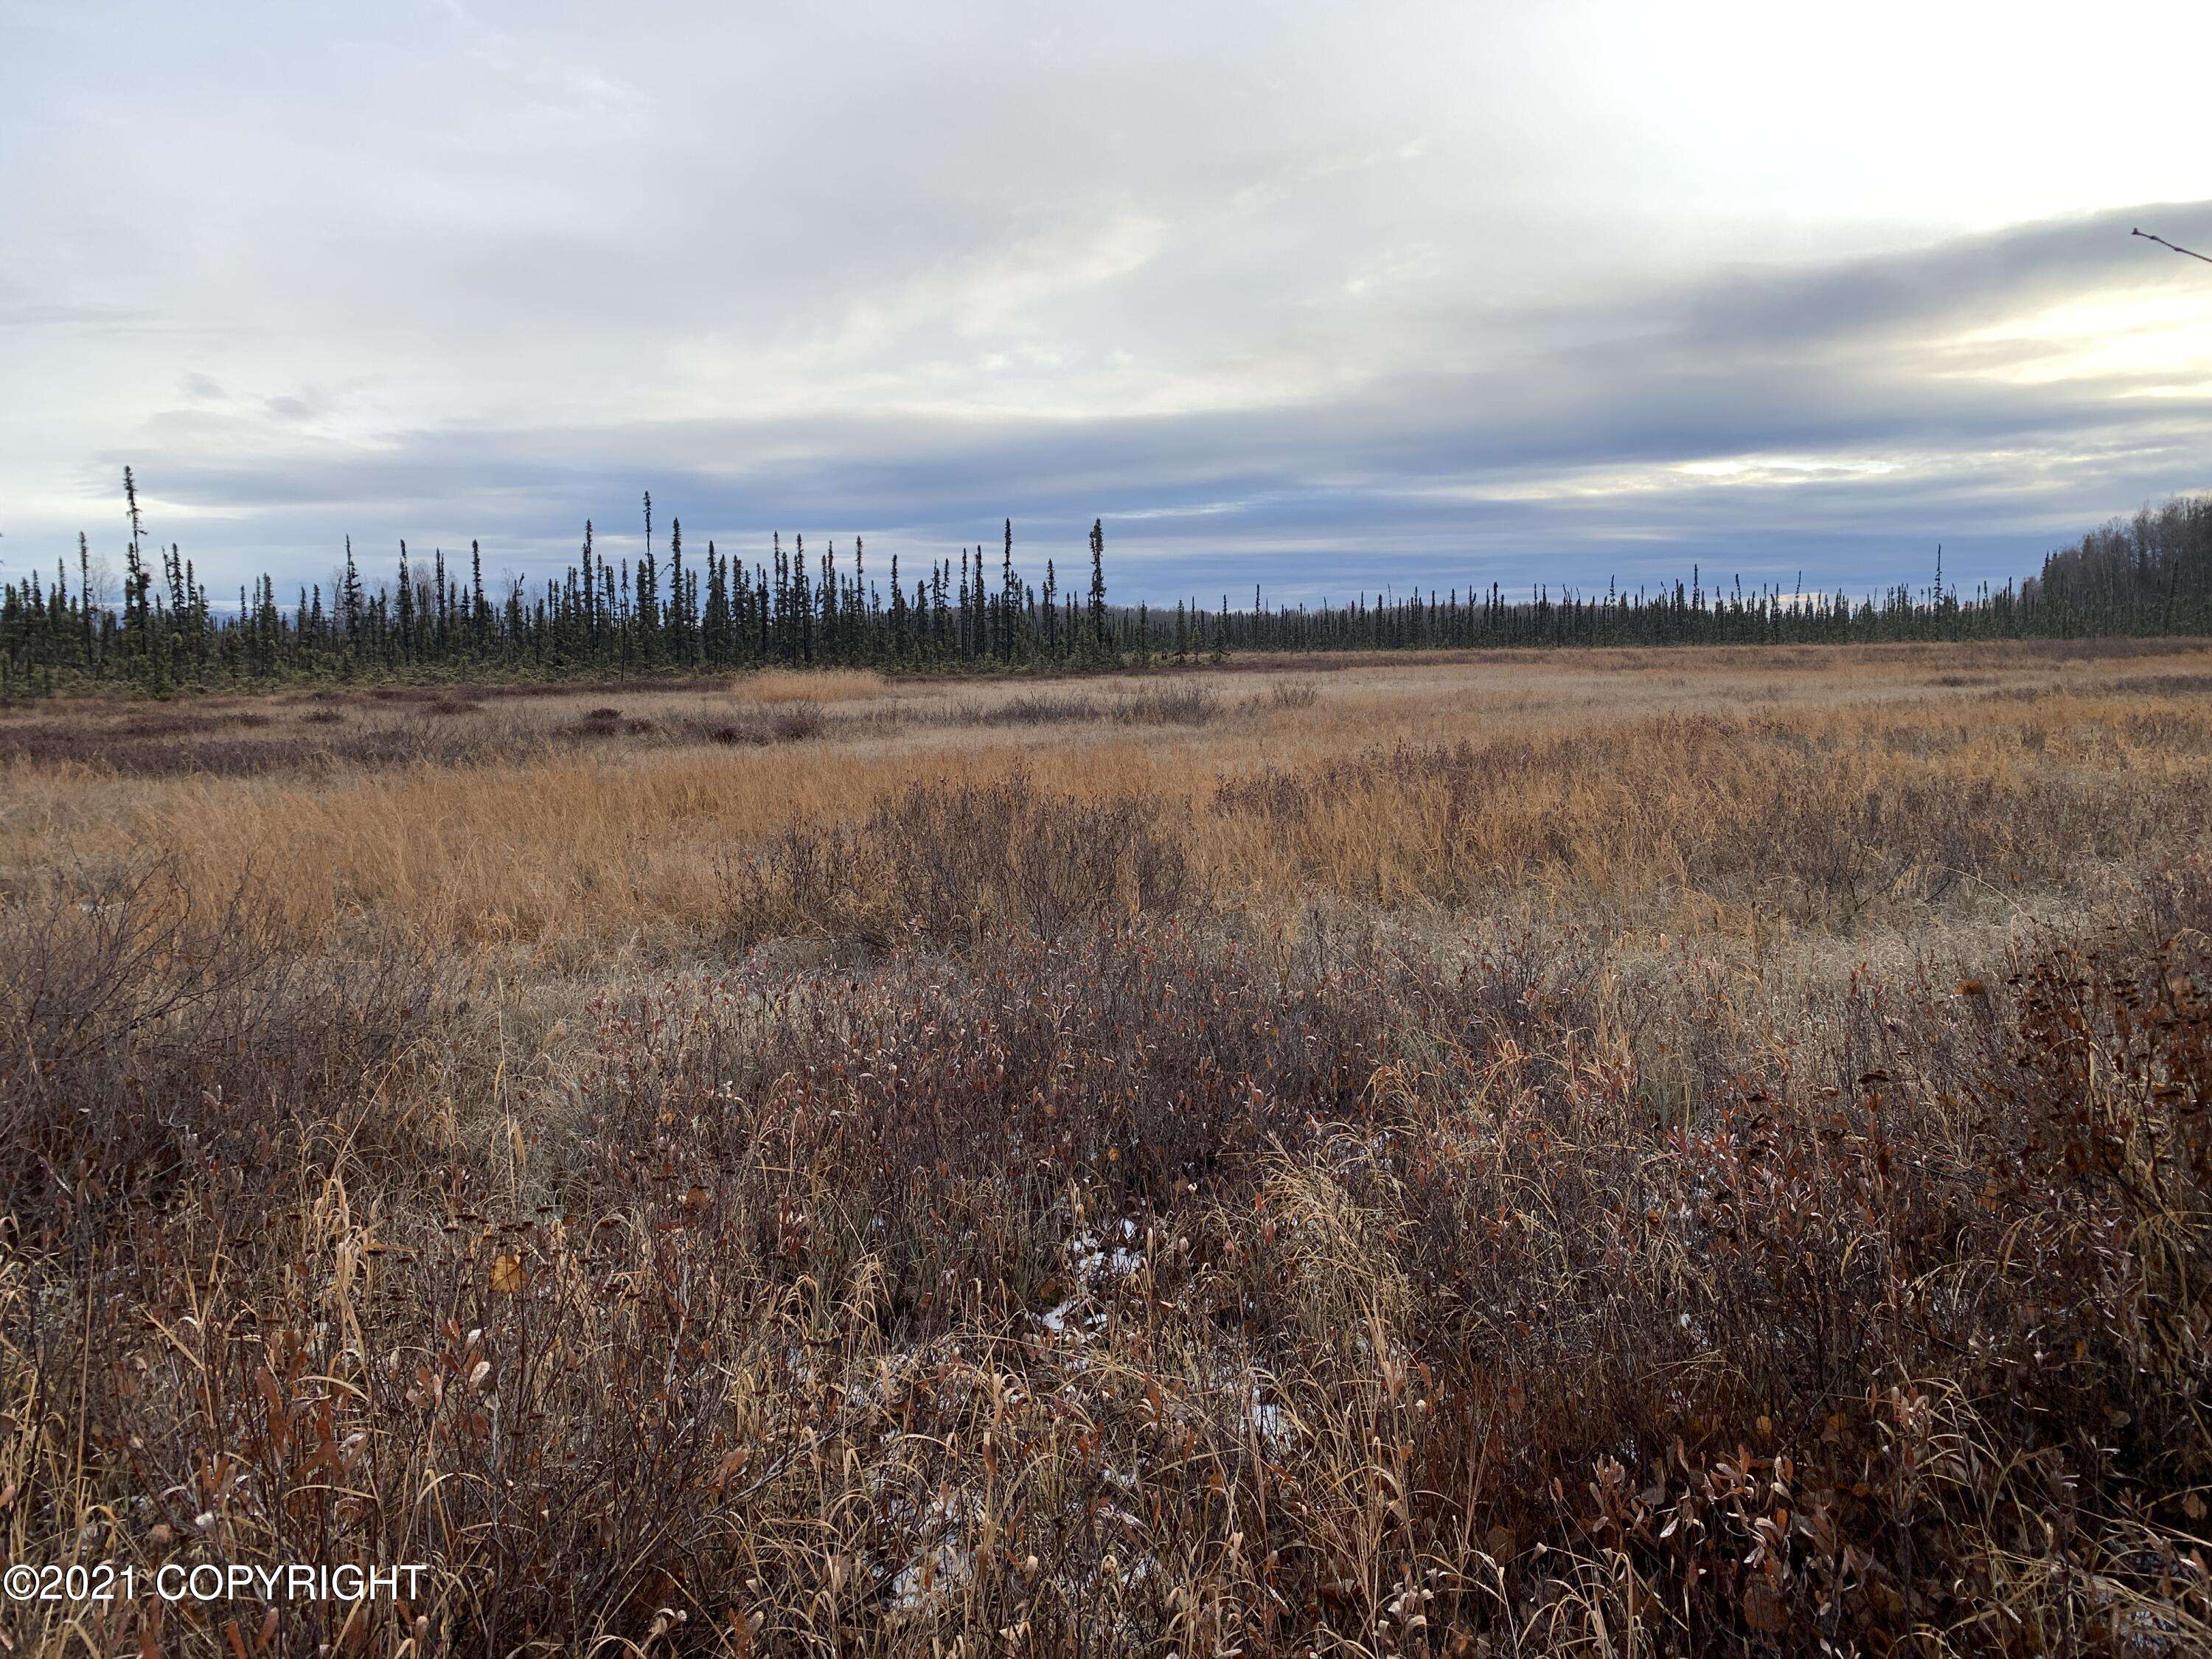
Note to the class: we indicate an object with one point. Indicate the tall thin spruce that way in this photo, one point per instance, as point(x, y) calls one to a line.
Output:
point(2149, 574)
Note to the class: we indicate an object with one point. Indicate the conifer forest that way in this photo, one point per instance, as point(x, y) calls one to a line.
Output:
point(656, 613)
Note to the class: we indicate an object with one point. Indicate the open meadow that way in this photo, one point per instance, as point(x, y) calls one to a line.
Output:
point(1658, 1151)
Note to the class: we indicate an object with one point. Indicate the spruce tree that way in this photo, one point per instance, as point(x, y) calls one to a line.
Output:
point(1099, 585)
point(84, 594)
point(406, 606)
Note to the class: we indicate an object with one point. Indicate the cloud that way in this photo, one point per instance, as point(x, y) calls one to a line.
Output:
point(1331, 302)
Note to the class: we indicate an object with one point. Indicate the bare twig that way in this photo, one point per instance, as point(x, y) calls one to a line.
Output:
point(2162, 242)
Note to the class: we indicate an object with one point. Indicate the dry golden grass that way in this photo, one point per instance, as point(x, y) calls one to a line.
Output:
point(822, 685)
point(1677, 772)
point(1630, 1153)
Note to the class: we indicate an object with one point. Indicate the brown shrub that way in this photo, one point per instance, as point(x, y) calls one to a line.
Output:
point(794, 722)
point(965, 862)
point(118, 752)
point(1030, 708)
point(144, 1024)
point(1330, 1286)
point(1190, 704)
point(1187, 704)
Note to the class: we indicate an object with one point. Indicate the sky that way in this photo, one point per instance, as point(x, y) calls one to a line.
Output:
point(1325, 298)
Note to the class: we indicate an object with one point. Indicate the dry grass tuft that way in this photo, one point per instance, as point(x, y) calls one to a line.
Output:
point(776, 686)
point(965, 862)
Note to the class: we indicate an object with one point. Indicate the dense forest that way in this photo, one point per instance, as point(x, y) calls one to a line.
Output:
point(668, 612)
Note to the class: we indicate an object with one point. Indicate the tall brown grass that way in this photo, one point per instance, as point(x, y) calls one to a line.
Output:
point(776, 686)
point(1671, 1179)
point(1805, 817)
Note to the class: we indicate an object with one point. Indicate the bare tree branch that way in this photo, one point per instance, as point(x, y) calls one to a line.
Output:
point(2162, 242)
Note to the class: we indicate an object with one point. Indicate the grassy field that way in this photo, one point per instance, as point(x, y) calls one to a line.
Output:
point(1608, 1151)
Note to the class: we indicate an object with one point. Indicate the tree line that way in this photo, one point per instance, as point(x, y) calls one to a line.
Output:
point(668, 612)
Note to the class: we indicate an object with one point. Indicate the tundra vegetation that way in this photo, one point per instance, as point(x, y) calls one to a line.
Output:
point(1687, 1151)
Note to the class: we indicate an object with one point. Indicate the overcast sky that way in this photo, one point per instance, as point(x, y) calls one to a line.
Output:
point(1318, 296)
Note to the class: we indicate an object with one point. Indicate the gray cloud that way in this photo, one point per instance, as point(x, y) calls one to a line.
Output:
point(1431, 295)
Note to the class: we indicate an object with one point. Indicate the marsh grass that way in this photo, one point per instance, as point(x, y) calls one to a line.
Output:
point(1185, 703)
point(1599, 1179)
point(965, 862)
